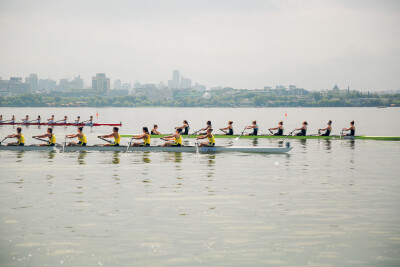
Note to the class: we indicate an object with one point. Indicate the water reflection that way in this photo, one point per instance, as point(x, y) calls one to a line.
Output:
point(146, 157)
point(327, 144)
point(178, 157)
point(20, 155)
point(255, 142)
point(81, 157)
point(51, 154)
point(116, 157)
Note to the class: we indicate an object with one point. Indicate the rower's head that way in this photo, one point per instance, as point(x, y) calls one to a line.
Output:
point(185, 122)
point(230, 122)
point(329, 122)
point(91, 117)
point(27, 116)
point(65, 117)
point(254, 122)
point(115, 129)
point(352, 122)
point(209, 130)
point(19, 130)
point(145, 130)
point(80, 129)
point(78, 117)
point(305, 123)
point(52, 116)
point(38, 116)
point(155, 126)
point(209, 123)
point(50, 130)
point(178, 131)
point(280, 123)
point(13, 116)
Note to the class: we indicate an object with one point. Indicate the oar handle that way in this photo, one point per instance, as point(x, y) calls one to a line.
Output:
point(37, 138)
point(108, 141)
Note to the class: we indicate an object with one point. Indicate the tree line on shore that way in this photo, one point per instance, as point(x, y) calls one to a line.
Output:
point(241, 99)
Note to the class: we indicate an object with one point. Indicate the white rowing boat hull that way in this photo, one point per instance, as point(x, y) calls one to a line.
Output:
point(191, 149)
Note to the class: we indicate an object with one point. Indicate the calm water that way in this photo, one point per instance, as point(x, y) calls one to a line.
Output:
point(328, 203)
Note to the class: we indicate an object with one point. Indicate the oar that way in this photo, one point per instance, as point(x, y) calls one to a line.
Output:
point(3, 140)
point(197, 146)
point(289, 134)
point(270, 131)
point(40, 139)
point(63, 144)
point(237, 138)
point(129, 143)
point(108, 141)
point(341, 134)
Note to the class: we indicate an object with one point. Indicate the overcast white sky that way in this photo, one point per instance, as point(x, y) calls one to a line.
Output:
point(243, 44)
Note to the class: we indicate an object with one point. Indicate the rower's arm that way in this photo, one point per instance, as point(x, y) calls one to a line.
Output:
point(107, 136)
point(346, 129)
point(169, 136)
point(42, 136)
point(72, 135)
point(323, 129)
point(12, 136)
point(202, 136)
point(137, 136)
point(226, 128)
point(274, 129)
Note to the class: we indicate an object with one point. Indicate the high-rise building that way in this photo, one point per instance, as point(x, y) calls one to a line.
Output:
point(117, 84)
point(33, 82)
point(77, 83)
point(17, 87)
point(101, 83)
point(185, 83)
point(47, 85)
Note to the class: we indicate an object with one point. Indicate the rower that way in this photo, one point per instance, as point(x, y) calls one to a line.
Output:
point(302, 129)
point(211, 138)
point(51, 120)
point(50, 135)
point(145, 136)
point(184, 126)
point(279, 129)
point(352, 129)
point(90, 121)
point(229, 129)
point(20, 138)
point(26, 120)
point(154, 131)
point(64, 120)
point(12, 119)
point(77, 120)
point(253, 126)
point(1, 118)
point(38, 119)
point(327, 130)
point(176, 138)
point(208, 126)
point(81, 137)
point(115, 134)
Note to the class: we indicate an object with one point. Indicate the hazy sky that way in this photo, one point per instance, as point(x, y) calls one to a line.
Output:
point(243, 44)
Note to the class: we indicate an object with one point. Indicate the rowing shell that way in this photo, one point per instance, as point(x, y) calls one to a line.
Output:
point(332, 137)
point(63, 124)
point(192, 149)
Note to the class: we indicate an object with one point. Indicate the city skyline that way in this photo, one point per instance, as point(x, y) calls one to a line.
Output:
point(229, 43)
